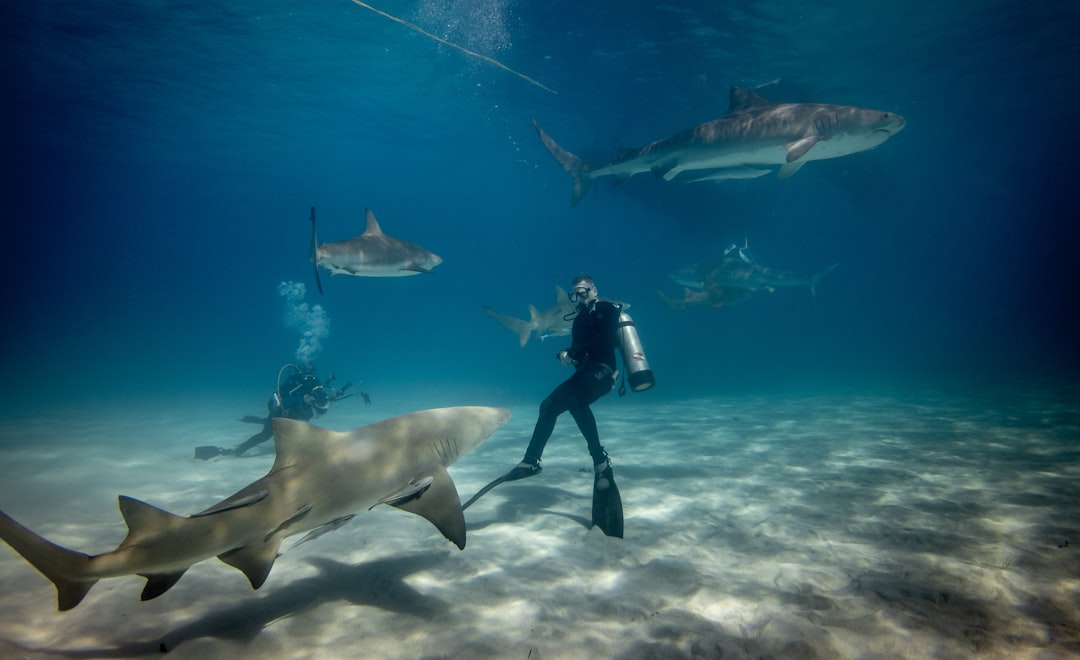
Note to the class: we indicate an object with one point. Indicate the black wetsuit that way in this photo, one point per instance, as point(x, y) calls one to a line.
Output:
point(292, 405)
point(594, 336)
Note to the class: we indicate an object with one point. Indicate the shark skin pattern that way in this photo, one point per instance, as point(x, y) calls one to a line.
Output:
point(371, 254)
point(752, 138)
point(320, 479)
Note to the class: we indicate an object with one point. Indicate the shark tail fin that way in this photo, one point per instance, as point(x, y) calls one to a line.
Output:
point(820, 276)
point(523, 329)
point(63, 567)
point(577, 168)
point(314, 255)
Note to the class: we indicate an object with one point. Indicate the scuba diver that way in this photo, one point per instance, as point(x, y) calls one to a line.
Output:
point(596, 333)
point(299, 396)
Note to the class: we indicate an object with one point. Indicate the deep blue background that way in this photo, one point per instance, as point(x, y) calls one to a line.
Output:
point(160, 158)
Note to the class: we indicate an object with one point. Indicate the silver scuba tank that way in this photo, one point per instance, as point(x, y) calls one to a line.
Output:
point(636, 364)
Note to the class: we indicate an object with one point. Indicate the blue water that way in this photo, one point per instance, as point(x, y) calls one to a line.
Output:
point(160, 160)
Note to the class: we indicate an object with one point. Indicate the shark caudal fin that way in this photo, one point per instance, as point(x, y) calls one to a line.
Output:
point(523, 329)
point(574, 166)
point(63, 567)
point(820, 276)
point(314, 255)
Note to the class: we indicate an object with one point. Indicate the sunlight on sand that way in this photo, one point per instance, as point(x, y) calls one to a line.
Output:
point(816, 527)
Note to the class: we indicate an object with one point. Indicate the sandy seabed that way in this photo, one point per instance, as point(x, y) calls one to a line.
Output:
point(809, 526)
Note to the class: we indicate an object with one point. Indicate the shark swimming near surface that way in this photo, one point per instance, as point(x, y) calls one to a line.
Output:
point(371, 254)
point(320, 479)
point(554, 321)
point(753, 137)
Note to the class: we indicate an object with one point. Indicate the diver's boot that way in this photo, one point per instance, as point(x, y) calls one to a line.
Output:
point(523, 470)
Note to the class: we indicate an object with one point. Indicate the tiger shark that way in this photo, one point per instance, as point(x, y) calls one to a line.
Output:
point(320, 479)
point(753, 137)
point(371, 254)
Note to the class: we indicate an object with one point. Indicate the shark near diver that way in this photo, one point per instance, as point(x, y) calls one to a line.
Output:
point(753, 136)
point(320, 480)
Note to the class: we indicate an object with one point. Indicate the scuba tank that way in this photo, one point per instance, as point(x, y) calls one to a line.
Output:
point(633, 355)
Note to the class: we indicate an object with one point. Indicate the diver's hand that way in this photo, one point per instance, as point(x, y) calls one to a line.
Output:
point(564, 357)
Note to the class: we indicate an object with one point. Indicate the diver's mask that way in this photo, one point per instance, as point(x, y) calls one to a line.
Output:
point(583, 293)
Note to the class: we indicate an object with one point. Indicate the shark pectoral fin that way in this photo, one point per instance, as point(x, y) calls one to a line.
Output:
point(159, 584)
point(788, 169)
point(412, 491)
point(440, 504)
point(254, 561)
point(798, 148)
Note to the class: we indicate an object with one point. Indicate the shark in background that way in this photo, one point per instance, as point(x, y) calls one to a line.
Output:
point(320, 480)
point(371, 254)
point(554, 321)
point(750, 140)
point(733, 278)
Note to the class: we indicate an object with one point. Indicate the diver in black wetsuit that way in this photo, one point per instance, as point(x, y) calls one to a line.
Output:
point(592, 354)
point(300, 396)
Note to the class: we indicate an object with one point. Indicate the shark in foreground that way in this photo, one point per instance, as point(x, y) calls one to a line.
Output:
point(554, 321)
point(320, 479)
point(752, 138)
point(371, 254)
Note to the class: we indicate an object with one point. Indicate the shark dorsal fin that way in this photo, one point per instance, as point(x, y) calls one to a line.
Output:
point(561, 296)
point(295, 442)
point(145, 520)
point(743, 100)
point(373, 228)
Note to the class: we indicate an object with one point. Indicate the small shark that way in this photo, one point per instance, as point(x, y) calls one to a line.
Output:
point(736, 268)
point(371, 254)
point(319, 480)
point(711, 296)
point(753, 136)
point(553, 322)
point(733, 279)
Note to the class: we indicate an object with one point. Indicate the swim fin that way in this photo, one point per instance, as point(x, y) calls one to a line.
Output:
point(520, 471)
point(607, 513)
point(206, 452)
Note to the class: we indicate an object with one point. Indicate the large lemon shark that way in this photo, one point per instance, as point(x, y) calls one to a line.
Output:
point(320, 480)
point(753, 137)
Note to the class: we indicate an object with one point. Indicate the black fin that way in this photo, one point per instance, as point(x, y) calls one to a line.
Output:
point(315, 251)
point(607, 513)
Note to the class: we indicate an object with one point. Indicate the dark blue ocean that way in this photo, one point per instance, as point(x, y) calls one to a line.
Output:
point(160, 160)
point(885, 468)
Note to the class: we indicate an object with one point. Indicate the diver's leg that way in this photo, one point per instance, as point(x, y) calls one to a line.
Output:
point(554, 405)
point(262, 436)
